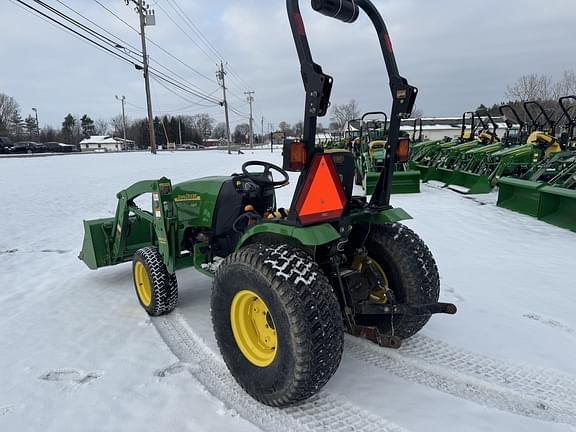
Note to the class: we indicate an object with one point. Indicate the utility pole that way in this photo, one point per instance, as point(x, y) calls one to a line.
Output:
point(180, 129)
point(262, 130)
point(250, 100)
point(123, 100)
point(147, 18)
point(221, 74)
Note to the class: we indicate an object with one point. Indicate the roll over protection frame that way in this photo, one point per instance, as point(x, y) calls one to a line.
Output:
point(318, 87)
point(535, 125)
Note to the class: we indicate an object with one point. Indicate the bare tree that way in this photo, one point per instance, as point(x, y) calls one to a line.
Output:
point(341, 114)
point(531, 87)
point(566, 86)
point(102, 127)
point(203, 123)
point(116, 125)
point(285, 127)
point(219, 131)
point(298, 129)
point(8, 108)
point(241, 133)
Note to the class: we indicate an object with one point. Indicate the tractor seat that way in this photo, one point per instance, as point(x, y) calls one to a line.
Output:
point(375, 146)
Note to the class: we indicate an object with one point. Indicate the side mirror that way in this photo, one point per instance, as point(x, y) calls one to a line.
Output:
point(343, 10)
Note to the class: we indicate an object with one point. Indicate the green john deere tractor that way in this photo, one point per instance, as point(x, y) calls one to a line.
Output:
point(286, 283)
point(548, 190)
point(371, 151)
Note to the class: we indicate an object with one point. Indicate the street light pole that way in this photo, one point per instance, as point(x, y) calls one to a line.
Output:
point(37, 124)
point(123, 100)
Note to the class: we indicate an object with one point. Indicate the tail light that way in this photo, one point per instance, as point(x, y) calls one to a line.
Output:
point(403, 150)
point(295, 156)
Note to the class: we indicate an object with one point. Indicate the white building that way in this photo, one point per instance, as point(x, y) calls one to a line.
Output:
point(105, 144)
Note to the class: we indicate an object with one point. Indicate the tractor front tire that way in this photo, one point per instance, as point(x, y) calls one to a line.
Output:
point(278, 323)
point(410, 270)
point(156, 288)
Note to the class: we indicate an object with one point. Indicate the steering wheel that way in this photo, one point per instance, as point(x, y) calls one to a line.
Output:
point(263, 178)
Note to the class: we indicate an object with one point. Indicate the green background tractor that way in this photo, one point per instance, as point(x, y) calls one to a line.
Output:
point(287, 283)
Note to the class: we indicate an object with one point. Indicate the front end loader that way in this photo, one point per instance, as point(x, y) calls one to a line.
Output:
point(287, 283)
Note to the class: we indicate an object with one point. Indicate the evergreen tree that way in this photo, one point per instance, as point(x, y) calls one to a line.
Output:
point(88, 127)
point(68, 129)
point(16, 125)
point(30, 127)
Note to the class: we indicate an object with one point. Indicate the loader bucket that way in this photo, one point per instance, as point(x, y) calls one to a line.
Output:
point(406, 182)
point(403, 182)
point(96, 251)
point(518, 195)
point(558, 207)
point(471, 184)
point(430, 173)
point(444, 174)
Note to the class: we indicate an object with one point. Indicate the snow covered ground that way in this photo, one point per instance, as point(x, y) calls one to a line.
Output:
point(78, 353)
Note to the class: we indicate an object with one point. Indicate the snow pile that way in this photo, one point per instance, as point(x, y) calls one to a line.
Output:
point(78, 353)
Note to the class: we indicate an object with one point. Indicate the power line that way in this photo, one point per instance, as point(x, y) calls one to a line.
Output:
point(195, 28)
point(165, 51)
point(185, 32)
point(114, 44)
point(86, 38)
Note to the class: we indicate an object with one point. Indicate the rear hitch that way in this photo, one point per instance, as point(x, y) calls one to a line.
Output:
point(405, 309)
point(374, 335)
point(391, 341)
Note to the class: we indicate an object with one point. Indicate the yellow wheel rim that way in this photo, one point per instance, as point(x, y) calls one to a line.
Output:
point(379, 296)
point(253, 328)
point(361, 264)
point(143, 285)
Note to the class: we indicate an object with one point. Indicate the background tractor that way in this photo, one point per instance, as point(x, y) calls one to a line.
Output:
point(287, 282)
point(370, 150)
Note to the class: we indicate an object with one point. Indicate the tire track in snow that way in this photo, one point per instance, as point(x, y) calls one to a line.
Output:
point(539, 393)
point(322, 412)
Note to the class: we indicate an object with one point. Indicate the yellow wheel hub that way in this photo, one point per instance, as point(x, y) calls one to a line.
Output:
point(143, 285)
point(362, 264)
point(253, 328)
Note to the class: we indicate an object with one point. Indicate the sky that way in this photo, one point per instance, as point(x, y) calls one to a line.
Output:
point(459, 54)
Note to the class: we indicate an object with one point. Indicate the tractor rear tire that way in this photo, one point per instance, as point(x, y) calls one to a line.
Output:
point(156, 288)
point(411, 271)
point(300, 347)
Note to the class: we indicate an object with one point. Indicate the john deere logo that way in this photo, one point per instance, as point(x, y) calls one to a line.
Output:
point(188, 197)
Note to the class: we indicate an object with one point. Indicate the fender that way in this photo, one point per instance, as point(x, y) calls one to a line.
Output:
point(383, 217)
point(315, 235)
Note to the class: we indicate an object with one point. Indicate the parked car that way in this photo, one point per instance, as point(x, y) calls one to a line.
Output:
point(29, 147)
point(56, 147)
point(5, 145)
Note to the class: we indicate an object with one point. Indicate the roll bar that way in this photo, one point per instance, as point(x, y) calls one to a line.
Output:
point(418, 123)
point(373, 113)
point(571, 119)
point(510, 125)
point(543, 113)
point(472, 123)
point(318, 85)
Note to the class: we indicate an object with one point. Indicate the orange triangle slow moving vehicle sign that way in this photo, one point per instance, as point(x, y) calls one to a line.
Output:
point(322, 197)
